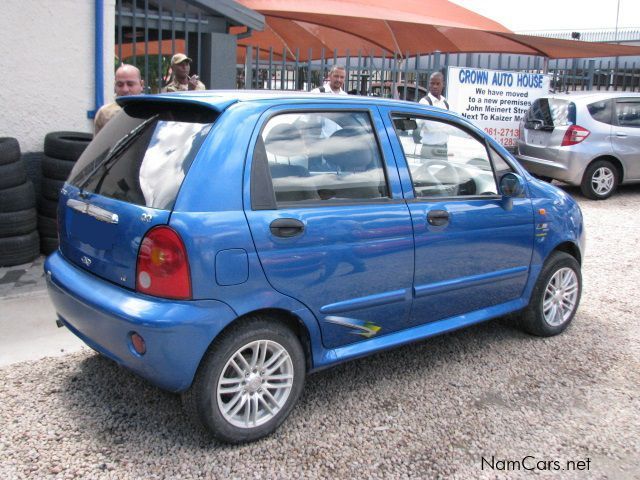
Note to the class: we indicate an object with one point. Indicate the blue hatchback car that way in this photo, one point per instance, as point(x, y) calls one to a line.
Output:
point(226, 244)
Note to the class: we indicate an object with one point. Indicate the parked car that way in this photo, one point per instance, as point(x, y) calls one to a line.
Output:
point(591, 140)
point(388, 90)
point(226, 244)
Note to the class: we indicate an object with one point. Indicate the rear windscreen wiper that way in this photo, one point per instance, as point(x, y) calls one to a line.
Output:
point(117, 149)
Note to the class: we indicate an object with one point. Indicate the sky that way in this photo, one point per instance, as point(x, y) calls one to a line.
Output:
point(538, 15)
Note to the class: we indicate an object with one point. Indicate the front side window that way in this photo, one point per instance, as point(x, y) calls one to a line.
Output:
point(444, 160)
point(322, 156)
point(628, 113)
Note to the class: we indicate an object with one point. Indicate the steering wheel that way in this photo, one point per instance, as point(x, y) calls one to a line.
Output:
point(445, 181)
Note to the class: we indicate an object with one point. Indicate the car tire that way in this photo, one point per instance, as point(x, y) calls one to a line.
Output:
point(600, 180)
point(17, 198)
point(47, 226)
point(9, 150)
point(56, 168)
point(266, 340)
point(48, 245)
point(51, 188)
point(48, 208)
point(19, 249)
point(66, 145)
point(18, 223)
point(12, 174)
point(555, 297)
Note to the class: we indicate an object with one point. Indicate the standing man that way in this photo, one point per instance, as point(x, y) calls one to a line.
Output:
point(128, 81)
point(435, 97)
point(335, 82)
point(180, 79)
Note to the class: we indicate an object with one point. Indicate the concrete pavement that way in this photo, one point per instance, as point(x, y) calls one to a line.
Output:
point(28, 328)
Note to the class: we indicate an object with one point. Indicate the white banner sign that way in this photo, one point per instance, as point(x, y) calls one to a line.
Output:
point(494, 100)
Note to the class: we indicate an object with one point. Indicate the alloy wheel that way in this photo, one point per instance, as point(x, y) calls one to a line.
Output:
point(560, 297)
point(602, 180)
point(255, 384)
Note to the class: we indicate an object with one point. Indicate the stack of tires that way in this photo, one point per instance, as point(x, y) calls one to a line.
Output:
point(18, 234)
point(61, 151)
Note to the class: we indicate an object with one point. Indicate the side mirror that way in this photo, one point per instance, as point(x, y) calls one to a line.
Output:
point(511, 185)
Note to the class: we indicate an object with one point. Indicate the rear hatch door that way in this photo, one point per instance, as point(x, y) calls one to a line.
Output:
point(546, 123)
point(126, 182)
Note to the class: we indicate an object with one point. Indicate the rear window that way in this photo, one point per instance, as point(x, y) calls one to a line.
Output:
point(547, 113)
point(143, 154)
point(601, 111)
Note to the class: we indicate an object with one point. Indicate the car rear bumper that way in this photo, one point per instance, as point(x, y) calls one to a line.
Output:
point(104, 315)
point(565, 169)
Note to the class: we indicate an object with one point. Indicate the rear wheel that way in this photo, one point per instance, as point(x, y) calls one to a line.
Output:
point(555, 297)
point(248, 382)
point(600, 180)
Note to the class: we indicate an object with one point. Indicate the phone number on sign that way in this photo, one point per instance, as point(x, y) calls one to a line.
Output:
point(503, 132)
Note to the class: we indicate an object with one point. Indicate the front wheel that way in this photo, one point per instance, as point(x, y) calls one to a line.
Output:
point(555, 297)
point(600, 180)
point(248, 382)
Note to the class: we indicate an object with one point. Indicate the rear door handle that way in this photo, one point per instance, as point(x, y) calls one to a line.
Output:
point(286, 227)
point(438, 217)
point(621, 135)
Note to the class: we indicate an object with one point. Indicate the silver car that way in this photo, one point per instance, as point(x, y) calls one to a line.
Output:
point(588, 139)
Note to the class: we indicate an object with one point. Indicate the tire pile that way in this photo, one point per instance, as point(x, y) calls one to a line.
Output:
point(19, 242)
point(61, 151)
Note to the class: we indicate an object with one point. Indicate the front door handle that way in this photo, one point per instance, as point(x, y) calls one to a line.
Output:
point(621, 135)
point(286, 227)
point(438, 217)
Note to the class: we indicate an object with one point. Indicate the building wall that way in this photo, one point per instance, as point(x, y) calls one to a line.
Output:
point(47, 63)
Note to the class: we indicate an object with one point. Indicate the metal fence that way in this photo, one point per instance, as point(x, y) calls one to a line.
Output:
point(392, 74)
point(149, 32)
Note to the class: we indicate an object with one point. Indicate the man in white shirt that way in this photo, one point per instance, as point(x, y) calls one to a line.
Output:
point(335, 82)
point(435, 97)
point(433, 135)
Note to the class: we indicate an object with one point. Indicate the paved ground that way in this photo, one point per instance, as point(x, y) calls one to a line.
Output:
point(486, 402)
point(27, 317)
point(22, 280)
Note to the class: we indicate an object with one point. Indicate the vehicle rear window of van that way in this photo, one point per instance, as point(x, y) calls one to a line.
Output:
point(143, 154)
point(547, 113)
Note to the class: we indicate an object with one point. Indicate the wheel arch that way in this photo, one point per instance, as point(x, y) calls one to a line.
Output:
point(284, 317)
point(570, 248)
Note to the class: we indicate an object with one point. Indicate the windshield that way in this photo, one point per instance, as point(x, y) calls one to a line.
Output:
point(141, 159)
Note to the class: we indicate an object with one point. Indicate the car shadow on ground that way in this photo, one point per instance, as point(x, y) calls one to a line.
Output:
point(116, 408)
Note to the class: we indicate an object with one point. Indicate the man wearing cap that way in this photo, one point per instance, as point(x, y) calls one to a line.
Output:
point(128, 81)
point(180, 79)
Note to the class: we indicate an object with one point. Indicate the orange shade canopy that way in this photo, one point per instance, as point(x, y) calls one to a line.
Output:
point(407, 26)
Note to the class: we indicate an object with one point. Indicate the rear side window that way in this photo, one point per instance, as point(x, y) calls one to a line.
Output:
point(601, 111)
point(143, 154)
point(547, 113)
point(322, 156)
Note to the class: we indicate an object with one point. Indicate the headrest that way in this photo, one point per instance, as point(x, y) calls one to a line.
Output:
point(349, 149)
point(284, 140)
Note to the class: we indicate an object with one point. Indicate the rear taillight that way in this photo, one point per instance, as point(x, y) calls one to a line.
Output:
point(162, 267)
point(574, 135)
point(521, 131)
